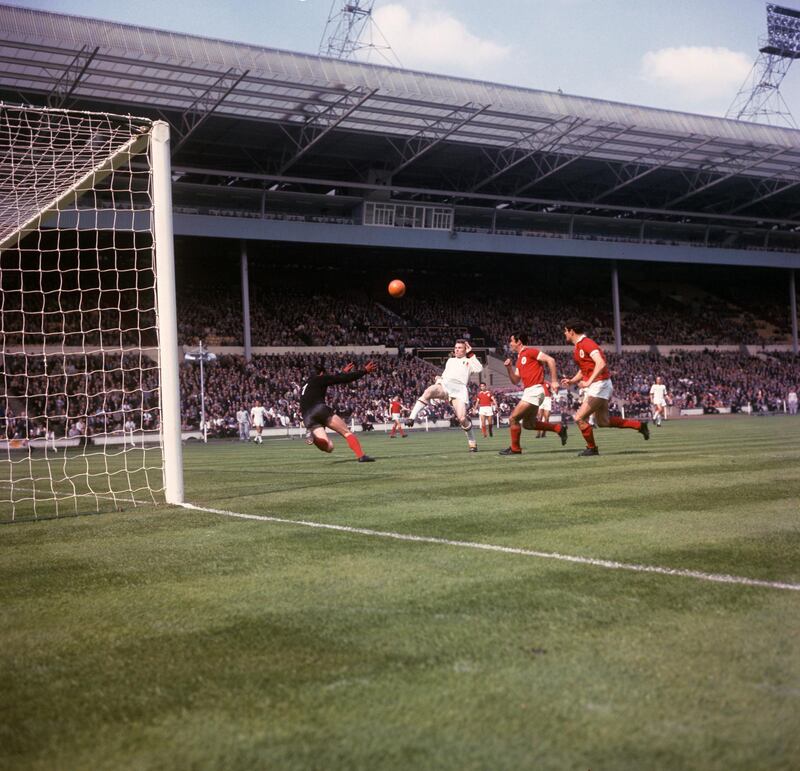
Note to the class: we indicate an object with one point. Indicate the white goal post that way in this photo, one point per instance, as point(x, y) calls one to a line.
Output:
point(89, 390)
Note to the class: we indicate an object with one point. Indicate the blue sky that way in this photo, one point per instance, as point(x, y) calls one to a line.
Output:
point(689, 55)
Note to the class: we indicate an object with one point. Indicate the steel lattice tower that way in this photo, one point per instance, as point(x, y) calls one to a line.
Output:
point(759, 99)
point(351, 33)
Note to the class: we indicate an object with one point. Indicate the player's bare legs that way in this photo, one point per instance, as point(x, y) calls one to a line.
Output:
point(594, 406)
point(460, 410)
point(524, 415)
point(340, 427)
point(543, 416)
point(397, 426)
point(436, 391)
point(589, 407)
point(319, 438)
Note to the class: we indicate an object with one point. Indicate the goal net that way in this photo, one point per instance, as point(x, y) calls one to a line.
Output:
point(89, 404)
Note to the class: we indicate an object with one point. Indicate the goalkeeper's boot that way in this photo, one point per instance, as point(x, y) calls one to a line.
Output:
point(644, 430)
point(588, 451)
point(510, 451)
point(562, 434)
point(366, 459)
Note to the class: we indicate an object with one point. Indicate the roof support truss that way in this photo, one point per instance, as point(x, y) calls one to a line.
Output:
point(566, 154)
point(323, 122)
point(647, 163)
point(709, 178)
point(199, 111)
point(540, 141)
point(71, 77)
point(433, 134)
point(765, 189)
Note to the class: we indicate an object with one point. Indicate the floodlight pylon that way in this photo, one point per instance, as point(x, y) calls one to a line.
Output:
point(759, 99)
point(352, 33)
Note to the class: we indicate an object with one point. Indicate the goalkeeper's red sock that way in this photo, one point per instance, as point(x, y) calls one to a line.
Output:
point(621, 423)
point(355, 445)
point(515, 430)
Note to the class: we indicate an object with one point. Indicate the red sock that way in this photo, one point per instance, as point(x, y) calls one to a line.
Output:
point(483, 431)
point(620, 423)
point(588, 434)
point(541, 426)
point(394, 429)
point(516, 432)
point(355, 446)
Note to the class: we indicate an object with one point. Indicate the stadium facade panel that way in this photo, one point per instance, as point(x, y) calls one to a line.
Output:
point(262, 132)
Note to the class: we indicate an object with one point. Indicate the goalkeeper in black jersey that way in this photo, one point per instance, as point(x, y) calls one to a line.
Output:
point(317, 416)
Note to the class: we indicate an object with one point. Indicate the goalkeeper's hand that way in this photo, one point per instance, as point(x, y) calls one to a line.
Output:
point(370, 366)
point(348, 367)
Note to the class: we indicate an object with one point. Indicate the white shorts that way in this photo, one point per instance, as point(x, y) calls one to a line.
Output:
point(547, 404)
point(455, 390)
point(659, 404)
point(395, 416)
point(488, 411)
point(258, 424)
point(534, 395)
point(600, 389)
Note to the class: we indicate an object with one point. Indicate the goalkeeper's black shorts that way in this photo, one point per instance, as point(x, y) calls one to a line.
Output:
point(317, 417)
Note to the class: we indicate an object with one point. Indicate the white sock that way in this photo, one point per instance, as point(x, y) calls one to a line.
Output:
point(418, 407)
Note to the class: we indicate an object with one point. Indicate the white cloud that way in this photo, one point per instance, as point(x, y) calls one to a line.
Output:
point(699, 74)
point(434, 40)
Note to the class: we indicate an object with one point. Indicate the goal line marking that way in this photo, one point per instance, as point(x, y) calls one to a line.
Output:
point(698, 575)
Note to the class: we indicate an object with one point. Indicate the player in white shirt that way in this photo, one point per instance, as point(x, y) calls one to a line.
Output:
point(257, 416)
point(243, 421)
point(452, 386)
point(791, 401)
point(658, 398)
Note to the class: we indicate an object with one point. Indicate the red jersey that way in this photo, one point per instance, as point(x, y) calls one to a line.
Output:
point(583, 358)
point(484, 399)
point(529, 368)
point(395, 408)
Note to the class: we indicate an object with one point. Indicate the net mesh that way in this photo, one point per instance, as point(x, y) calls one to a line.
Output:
point(79, 383)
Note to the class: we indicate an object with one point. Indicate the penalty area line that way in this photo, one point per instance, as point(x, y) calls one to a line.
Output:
point(699, 575)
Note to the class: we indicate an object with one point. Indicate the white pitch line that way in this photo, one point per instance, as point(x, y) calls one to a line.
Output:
point(699, 575)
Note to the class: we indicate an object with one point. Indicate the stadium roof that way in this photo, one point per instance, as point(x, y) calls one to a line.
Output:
point(238, 109)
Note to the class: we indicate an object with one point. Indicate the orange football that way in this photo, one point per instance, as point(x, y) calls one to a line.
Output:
point(397, 288)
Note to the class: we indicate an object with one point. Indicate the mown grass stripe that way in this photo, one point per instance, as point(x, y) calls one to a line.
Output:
point(603, 563)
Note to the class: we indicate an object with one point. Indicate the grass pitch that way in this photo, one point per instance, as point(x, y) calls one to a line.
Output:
point(161, 638)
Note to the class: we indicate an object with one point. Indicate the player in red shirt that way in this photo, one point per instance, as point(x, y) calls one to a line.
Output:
point(530, 372)
point(593, 376)
point(486, 405)
point(395, 410)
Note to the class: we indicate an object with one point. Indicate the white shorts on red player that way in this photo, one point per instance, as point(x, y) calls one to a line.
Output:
point(547, 404)
point(488, 411)
point(600, 389)
point(534, 395)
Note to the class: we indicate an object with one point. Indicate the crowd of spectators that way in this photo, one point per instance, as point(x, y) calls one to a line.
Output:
point(109, 301)
point(708, 380)
point(319, 305)
point(82, 396)
point(77, 396)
